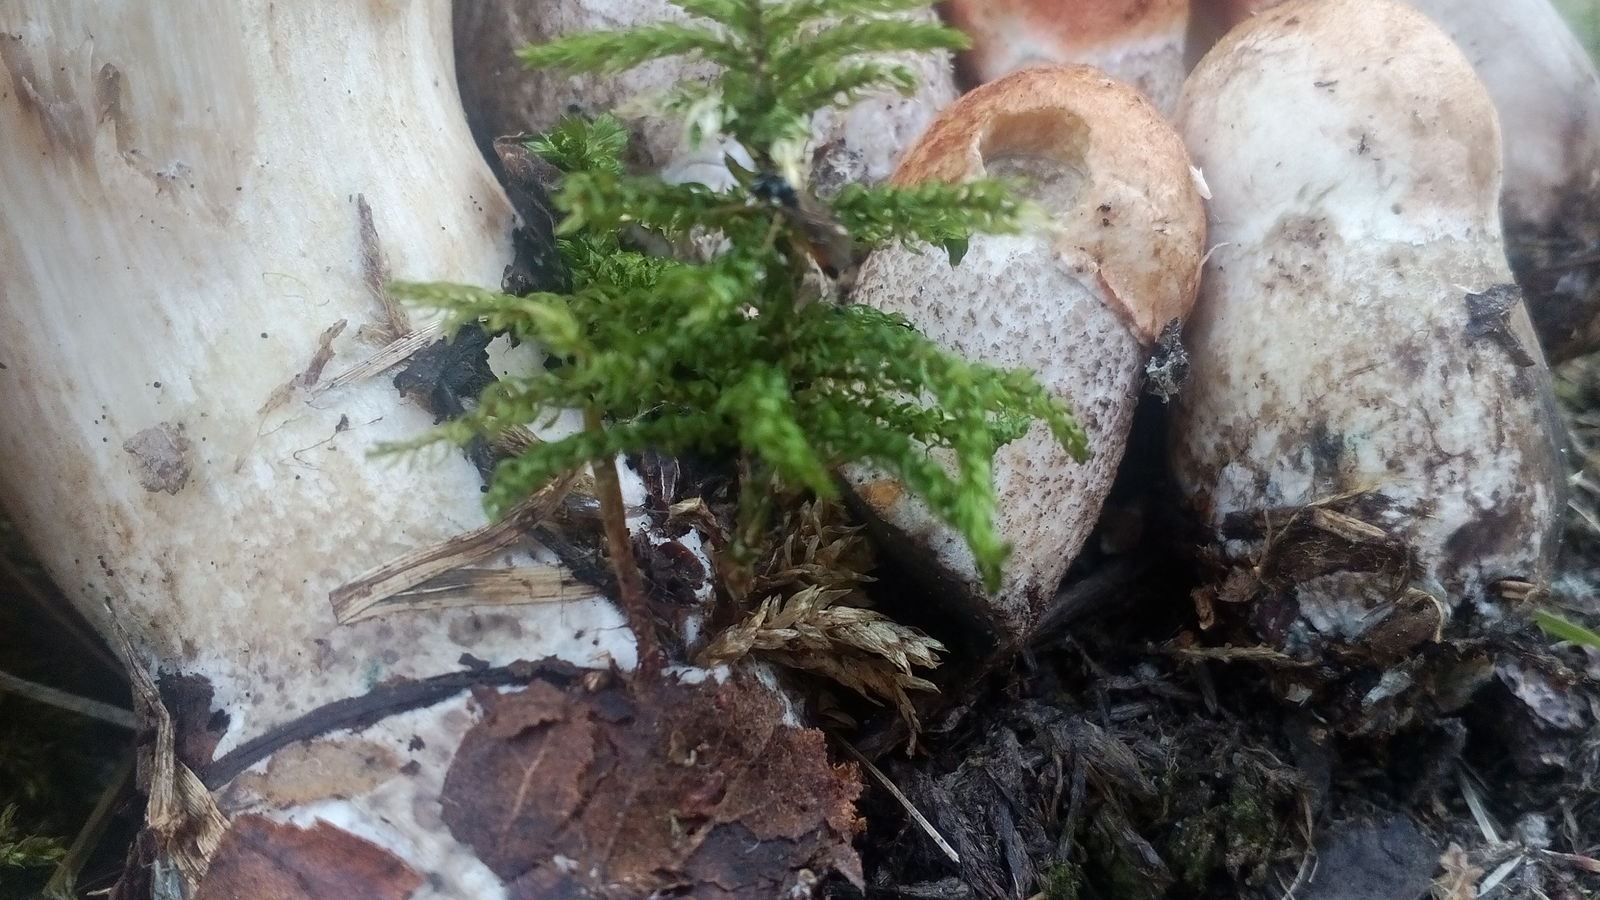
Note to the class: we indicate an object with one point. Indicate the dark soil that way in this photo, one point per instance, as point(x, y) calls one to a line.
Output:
point(1133, 753)
point(56, 766)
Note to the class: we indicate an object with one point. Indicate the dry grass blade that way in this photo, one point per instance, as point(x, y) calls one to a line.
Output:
point(180, 813)
point(1480, 812)
point(353, 600)
point(516, 586)
point(83, 706)
point(387, 356)
point(1500, 874)
point(910, 808)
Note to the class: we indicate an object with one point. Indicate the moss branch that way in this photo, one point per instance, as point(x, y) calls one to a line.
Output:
point(630, 584)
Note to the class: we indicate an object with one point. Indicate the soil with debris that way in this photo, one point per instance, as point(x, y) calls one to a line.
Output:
point(1140, 748)
point(1144, 748)
point(67, 806)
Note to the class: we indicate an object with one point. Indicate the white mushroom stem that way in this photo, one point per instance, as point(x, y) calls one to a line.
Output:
point(1547, 92)
point(1079, 301)
point(199, 208)
point(1138, 41)
point(179, 229)
point(1357, 346)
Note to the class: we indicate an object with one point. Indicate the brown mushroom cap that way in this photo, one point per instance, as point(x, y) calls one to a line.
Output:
point(1130, 39)
point(1071, 25)
point(1110, 171)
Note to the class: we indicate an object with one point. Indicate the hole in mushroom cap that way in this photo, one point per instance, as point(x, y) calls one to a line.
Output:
point(1042, 150)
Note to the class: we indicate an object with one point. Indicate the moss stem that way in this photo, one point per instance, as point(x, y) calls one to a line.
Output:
point(630, 584)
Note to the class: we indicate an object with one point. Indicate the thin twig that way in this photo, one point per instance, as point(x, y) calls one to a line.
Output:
point(83, 706)
point(379, 703)
point(1263, 655)
point(63, 882)
point(911, 810)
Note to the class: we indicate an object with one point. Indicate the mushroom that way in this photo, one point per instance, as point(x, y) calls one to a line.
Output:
point(861, 143)
point(1368, 429)
point(200, 208)
point(1141, 42)
point(1547, 92)
point(1080, 300)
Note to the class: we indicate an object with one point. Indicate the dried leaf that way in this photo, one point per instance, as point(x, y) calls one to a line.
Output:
point(263, 858)
point(697, 790)
point(1459, 878)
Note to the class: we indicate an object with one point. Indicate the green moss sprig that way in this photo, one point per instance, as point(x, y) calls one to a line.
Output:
point(732, 354)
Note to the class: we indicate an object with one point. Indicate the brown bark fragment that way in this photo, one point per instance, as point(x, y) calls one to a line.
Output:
point(612, 792)
point(260, 858)
point(376, 274)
